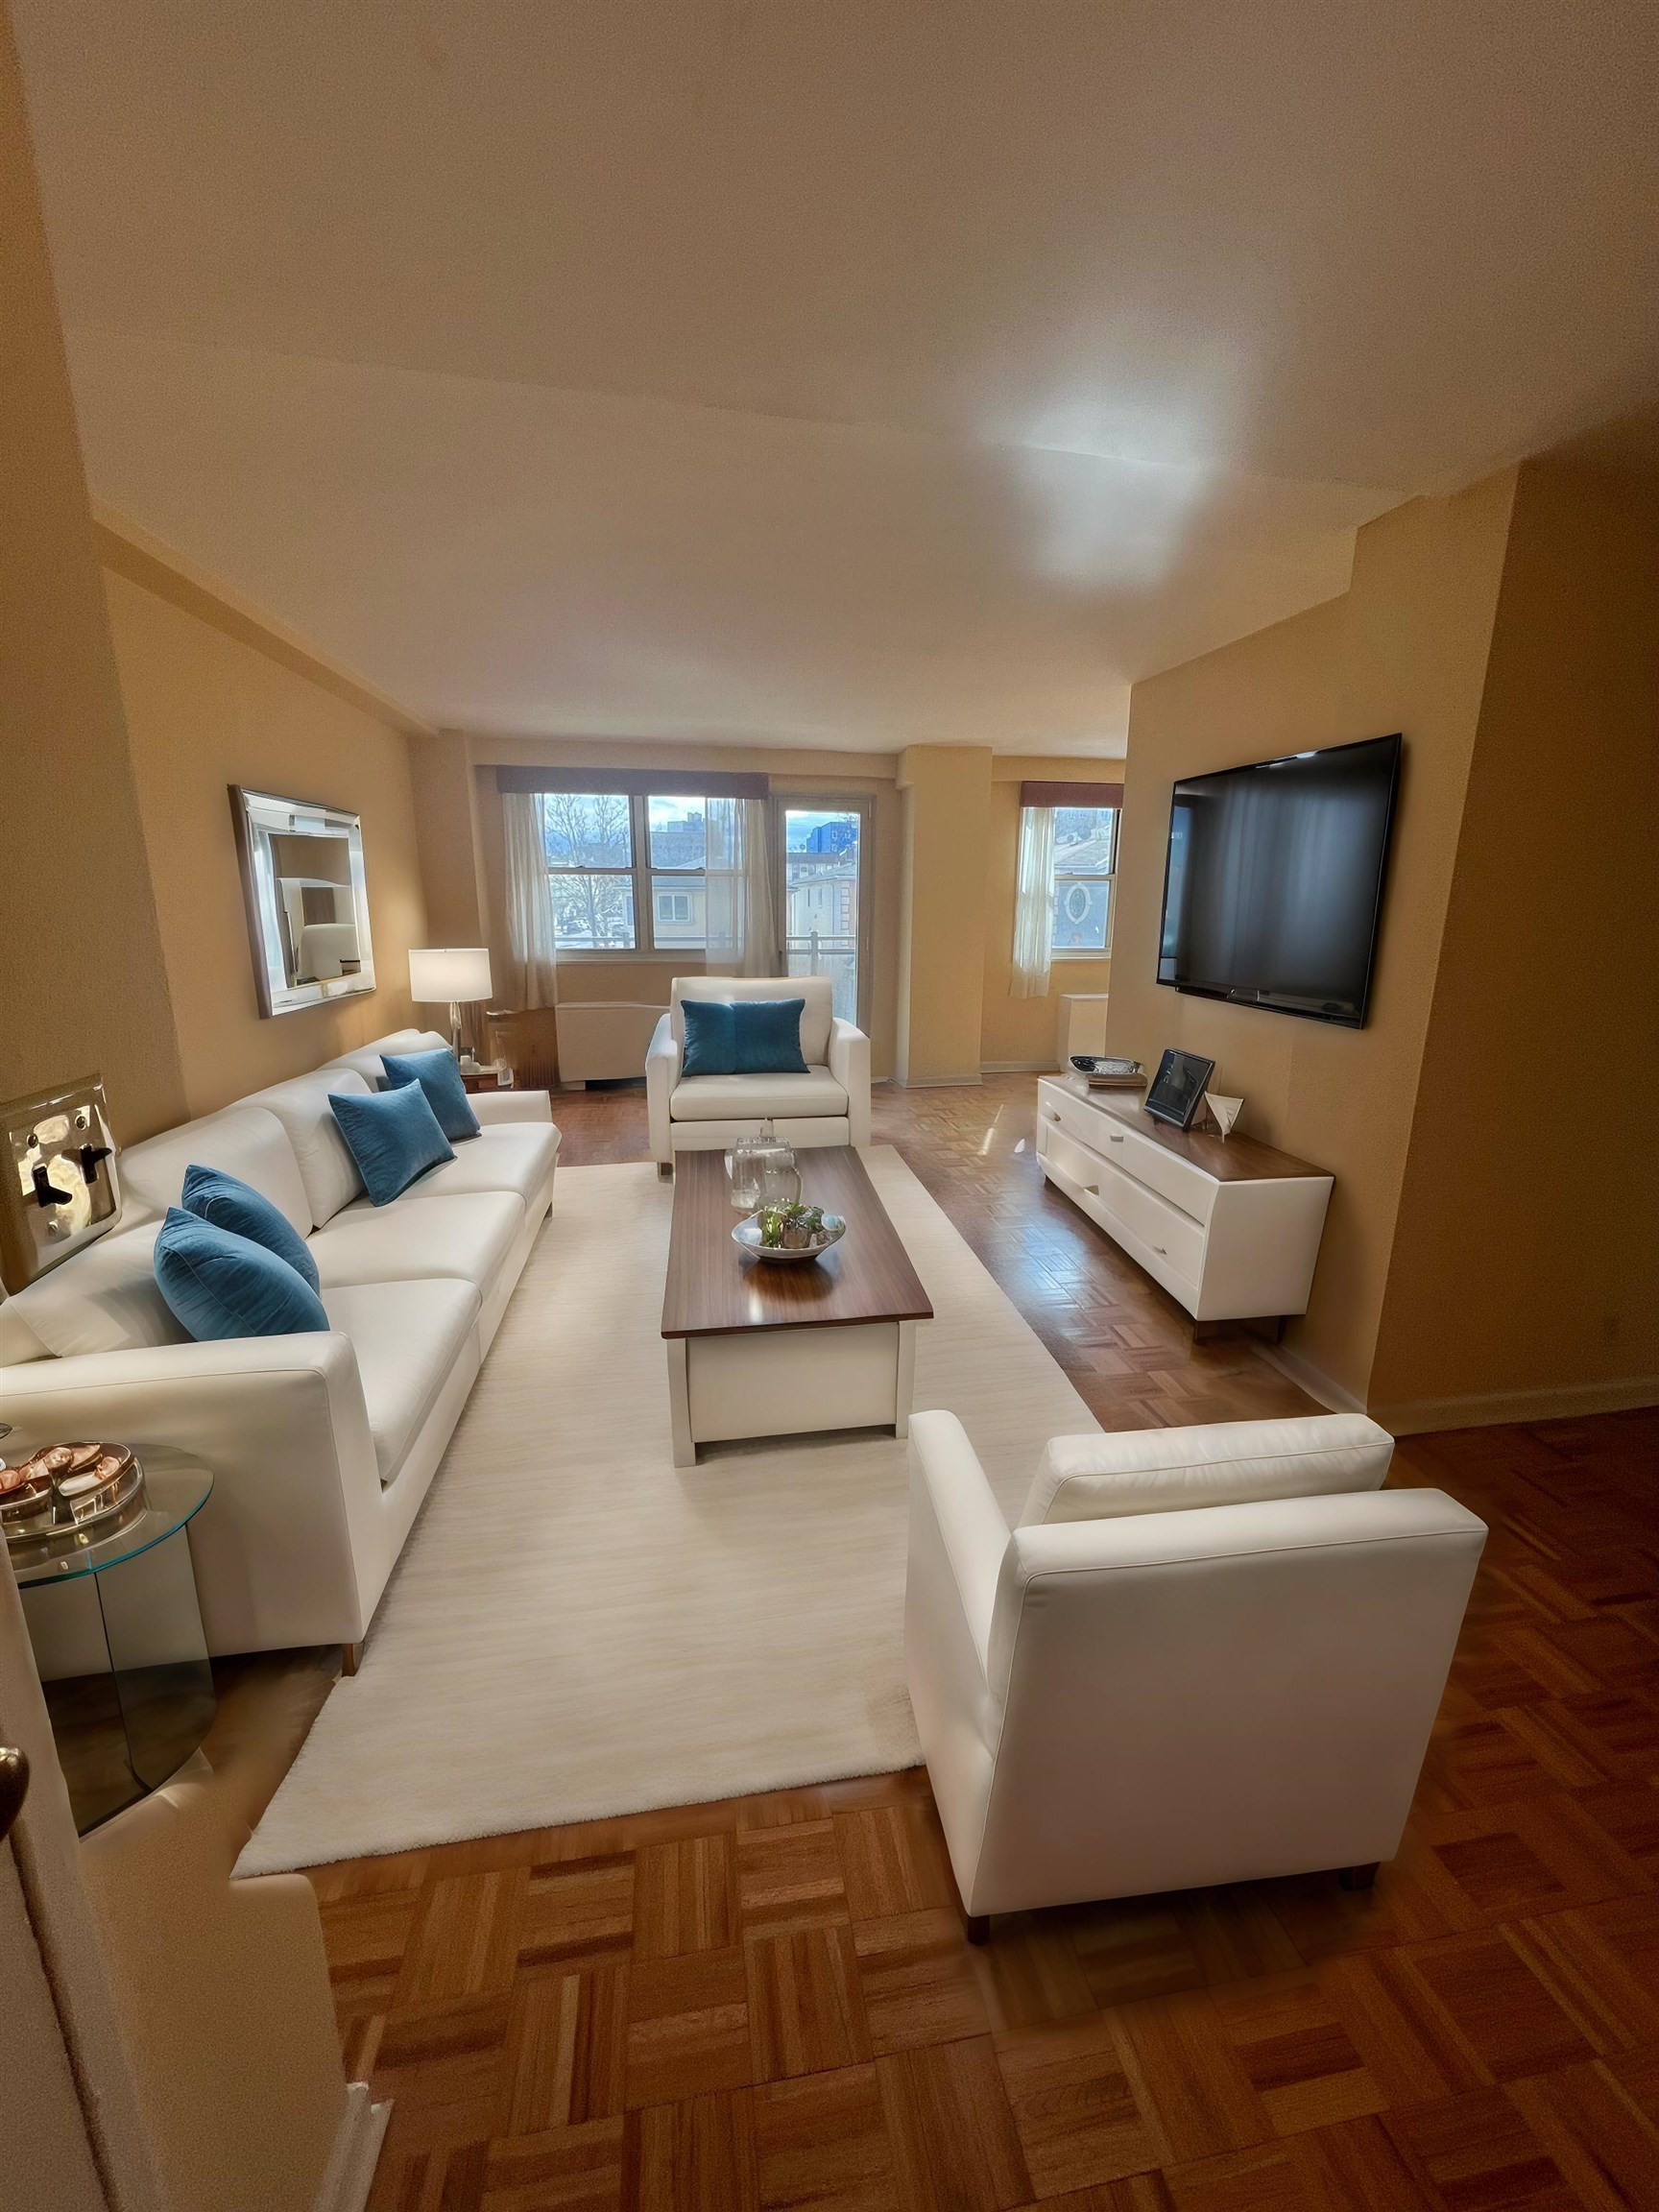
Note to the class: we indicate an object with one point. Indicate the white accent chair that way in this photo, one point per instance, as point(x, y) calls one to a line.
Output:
point(1205, 1655)
point(829, 1105)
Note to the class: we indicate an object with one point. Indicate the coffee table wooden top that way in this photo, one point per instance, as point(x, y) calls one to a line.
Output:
point(714, 1290)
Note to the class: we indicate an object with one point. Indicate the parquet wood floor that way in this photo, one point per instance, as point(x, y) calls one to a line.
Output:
point(768, 2002)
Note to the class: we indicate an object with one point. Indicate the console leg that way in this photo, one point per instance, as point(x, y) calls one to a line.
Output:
point(350, 1658)
point(1358, 1877)
point(978, 1927)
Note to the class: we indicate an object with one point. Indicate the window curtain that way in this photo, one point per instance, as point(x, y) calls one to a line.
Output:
point(742, 934)
point(530, 934)
point(1034, 904)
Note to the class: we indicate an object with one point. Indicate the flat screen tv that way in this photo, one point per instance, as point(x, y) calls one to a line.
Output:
point(1273, 883)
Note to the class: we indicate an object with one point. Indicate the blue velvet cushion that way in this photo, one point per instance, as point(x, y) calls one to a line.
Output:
point(439, 1076)
point(229, 1203)
point(710, 1037)
point(218, 1285)
point(768, 1036)
point(742, 1037)
point(392, 1136)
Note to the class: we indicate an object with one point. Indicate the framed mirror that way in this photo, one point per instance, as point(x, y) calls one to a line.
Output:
point(308, 899)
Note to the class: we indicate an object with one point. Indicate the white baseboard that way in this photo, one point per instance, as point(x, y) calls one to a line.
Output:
point(1018, 1067)
point(1490, 1409)
point(936, 1082)
point(356, 2151)
point(1569, 1402)
point(1313, 1380)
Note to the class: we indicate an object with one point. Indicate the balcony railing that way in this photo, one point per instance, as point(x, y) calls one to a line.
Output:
point(837, 957)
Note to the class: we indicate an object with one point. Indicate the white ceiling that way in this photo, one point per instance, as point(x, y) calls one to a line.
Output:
point(820, 371)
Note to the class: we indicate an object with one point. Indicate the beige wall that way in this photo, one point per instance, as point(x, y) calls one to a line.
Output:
point(947, 793)
point(450, 837)
point(1025, 1032)
point(1406, 649)
point(83, 982)
point(1525, 1258)
point(207, 706)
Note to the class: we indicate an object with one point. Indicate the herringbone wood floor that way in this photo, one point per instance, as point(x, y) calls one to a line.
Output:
point(769, 2002)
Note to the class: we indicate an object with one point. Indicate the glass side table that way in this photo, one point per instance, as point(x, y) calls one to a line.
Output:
point(117, 1637)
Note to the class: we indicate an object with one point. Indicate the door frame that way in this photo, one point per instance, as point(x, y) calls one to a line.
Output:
point(74, 2008)
point(863, 805)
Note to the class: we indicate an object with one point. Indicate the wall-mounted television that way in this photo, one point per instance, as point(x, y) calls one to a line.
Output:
point(1273, 884)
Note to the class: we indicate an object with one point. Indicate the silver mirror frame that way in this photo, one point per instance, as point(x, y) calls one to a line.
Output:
point(259, 816)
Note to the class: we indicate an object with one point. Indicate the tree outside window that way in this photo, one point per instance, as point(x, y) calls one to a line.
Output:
point(627, 872)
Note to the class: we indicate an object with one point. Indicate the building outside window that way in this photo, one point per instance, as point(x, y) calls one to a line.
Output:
point(627, 874)
point(822, 863)
point(1085, 869)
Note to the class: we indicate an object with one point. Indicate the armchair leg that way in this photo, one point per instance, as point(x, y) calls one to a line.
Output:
point(1358, 1877)
point(979, 1925)
point(350, 1658)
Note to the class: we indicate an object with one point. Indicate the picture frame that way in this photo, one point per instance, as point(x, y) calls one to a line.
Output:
point(1176, 1093)
point(307, 898)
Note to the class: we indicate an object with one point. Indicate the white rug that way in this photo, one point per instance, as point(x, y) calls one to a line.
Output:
point(577, 1628)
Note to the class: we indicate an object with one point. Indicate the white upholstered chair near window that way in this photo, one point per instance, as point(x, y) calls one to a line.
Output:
point(829, 1105)
point(1206, 1655)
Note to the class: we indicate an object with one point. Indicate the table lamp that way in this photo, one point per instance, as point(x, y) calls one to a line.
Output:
point(456, 974)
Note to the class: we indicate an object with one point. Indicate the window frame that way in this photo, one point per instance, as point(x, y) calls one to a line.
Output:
point(645, 877)
point(1108, 877)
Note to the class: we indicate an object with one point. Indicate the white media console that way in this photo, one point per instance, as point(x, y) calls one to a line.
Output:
point(1228, 1226)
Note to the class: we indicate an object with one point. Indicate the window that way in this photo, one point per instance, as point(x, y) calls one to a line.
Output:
point(627, 872)
point(1085, 868)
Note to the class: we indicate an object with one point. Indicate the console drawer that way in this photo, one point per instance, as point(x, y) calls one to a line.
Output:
point(1074, 1162)
point(1147, 1162)
point(1061, 1111)
point(1174, 1236)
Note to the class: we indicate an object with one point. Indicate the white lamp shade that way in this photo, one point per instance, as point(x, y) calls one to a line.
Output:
point(445, 973)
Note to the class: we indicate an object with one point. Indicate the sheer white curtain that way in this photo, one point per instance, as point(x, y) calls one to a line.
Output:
point(530, 933)
point(1034, 904)
point(743, 933)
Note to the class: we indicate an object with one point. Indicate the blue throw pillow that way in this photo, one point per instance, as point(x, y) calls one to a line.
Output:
point(229, 1203)
point(710, 1037)
point(439, 1076)
point(218, 1284)
point(742, 1037)
point(392, 1136)
point(768, 1036)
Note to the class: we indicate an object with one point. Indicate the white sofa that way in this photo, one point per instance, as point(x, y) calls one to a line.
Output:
point(829, 1105)
point(1205, 1655)
point(323, 1446)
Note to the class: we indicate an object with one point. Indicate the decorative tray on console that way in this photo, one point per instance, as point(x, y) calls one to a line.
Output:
point(66, 1496)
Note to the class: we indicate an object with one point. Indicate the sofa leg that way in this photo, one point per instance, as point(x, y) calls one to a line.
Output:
point(978, 1927)
point(350, 1658)
point(665, 1170)
point(1358, 1877)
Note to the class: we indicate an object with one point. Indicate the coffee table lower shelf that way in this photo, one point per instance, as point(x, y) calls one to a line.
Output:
point(789, 1383)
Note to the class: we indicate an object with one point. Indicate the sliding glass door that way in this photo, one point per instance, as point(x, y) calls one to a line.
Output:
point(824, 860)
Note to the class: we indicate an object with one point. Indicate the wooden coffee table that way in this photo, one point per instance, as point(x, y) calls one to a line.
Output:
point(758, 1349)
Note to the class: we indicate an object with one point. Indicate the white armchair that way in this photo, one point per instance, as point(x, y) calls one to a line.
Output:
point(829, 1105)
point(1207, 1655)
